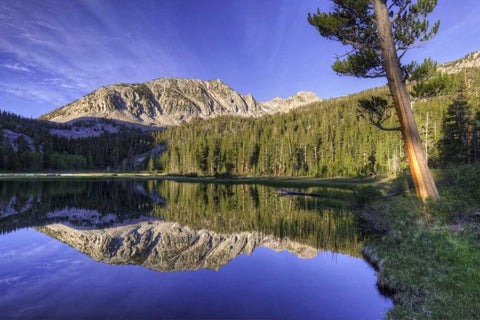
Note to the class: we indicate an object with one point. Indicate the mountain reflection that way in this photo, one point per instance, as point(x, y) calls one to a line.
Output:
point(81, 204)
point(169, 226)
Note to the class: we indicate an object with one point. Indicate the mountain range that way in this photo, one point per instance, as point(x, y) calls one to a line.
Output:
point(172, 101)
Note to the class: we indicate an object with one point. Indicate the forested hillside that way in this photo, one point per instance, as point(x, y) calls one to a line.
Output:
point(30, 145)
point(327, 138)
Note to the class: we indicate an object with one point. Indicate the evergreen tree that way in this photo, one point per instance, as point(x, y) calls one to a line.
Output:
point(457, 143)
point(150, 164)
point(429, 82)
point(476, 137)
point(380, 32)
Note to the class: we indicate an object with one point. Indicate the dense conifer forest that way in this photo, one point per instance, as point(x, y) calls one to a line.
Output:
point(328, 138)
point(35, 149)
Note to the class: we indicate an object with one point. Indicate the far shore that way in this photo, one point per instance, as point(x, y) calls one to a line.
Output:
point(278, 181)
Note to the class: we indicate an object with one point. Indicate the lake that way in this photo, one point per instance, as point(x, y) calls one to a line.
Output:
point(163, 249)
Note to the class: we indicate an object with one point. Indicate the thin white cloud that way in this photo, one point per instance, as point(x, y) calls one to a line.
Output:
point(34, 92)
point(47, 25)
point(16, 67)
point(81, 52)
point(63, 84)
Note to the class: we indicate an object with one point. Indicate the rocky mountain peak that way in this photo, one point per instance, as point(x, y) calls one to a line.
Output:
point(172, 101)
point(471, 60)
point(284, 105)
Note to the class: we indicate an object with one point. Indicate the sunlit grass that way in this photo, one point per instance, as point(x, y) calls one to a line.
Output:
point(429, 256)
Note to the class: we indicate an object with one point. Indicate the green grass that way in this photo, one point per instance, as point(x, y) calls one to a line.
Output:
point(429, 256)
point(433, 274)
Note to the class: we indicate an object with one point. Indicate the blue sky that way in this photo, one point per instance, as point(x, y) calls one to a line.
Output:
point(53, 52)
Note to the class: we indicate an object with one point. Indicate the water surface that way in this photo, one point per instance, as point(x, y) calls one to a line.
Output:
point(131, 249)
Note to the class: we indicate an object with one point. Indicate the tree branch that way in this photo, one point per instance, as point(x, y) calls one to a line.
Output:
point(380, 74)
point(404, 51)
point(366, 76)
point(354, 44)
point(360, 46)
point(401, 10)
point(379, 126)
point(345, 54)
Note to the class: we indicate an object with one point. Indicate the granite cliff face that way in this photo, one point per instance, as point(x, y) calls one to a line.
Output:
point(284, 105)
point(169, 246)
point(471, 60)
point(172, 101)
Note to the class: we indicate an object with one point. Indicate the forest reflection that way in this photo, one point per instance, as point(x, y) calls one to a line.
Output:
point(324, 222)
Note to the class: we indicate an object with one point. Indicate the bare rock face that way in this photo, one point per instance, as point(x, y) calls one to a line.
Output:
point(13, 139)
point(168, 246)
point(171, 101)
point(471, 60)
point(302, 98)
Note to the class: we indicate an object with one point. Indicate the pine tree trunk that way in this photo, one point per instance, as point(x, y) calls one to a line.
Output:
point(424, 184)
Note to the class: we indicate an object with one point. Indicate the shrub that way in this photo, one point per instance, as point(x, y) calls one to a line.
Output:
point(365, 195)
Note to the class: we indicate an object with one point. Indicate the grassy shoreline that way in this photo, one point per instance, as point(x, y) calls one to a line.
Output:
point(431, 274)
point(427, 257)
point(274, 181)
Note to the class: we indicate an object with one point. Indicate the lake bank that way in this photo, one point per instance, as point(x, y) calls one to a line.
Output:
point(274, 181)
point(428, 256)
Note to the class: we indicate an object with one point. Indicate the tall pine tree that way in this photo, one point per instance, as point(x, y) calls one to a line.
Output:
point(379, 33)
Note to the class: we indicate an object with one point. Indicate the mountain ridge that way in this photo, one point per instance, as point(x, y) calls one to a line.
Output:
point(471, 60)
point(172, 101)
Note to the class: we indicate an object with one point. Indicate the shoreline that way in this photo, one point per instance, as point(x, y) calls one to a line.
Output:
point(427, 264)
point(274, 181)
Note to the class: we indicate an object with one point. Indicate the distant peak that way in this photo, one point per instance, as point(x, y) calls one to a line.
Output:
point(307, 94)
point(301, 98)
point(172, 101)
point(471, 60)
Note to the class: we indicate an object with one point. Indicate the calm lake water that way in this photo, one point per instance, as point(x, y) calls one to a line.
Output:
point(161, 249)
